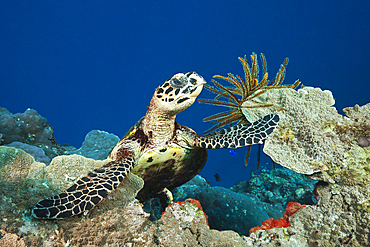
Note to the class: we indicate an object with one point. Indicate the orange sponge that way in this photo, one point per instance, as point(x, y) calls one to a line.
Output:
point(291, 208)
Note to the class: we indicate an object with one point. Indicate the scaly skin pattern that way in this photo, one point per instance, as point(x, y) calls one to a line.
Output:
point(240, 135)
point(162, 152)
point(86, 192)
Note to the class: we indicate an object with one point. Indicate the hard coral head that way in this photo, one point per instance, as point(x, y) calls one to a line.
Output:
point(178, 93)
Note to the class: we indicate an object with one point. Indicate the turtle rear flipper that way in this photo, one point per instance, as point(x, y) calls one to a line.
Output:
point(86, 192)
point(240, 135)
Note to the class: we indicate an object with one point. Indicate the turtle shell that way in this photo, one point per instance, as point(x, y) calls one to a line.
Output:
point(167, 166)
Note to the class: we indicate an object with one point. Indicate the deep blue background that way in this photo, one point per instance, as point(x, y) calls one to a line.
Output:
point(95, 64)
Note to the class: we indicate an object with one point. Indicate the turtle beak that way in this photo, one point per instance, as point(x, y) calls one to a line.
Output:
point(199, 85)
point(197, 91)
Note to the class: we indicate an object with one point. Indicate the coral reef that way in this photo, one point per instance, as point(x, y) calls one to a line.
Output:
point(189, 227)
point(360, 114)
point(11, 240)
point(117, 220)
point(30, 128)
point(313, 139)
point(248, 202)
point(278, 186)
point(19, 174)
point(97, 145)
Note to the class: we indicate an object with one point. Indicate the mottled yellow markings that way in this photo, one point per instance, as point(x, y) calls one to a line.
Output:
point(161, 155)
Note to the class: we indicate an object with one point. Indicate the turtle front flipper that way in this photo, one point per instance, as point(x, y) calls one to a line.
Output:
point(240, 135)
point(86, 192)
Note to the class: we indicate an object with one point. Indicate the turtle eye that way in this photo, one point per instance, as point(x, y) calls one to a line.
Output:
point(176, 83)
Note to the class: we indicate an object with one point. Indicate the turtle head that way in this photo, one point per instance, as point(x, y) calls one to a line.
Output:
point(178, 93)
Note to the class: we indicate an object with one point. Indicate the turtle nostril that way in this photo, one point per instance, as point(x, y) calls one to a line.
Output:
point(189, 74)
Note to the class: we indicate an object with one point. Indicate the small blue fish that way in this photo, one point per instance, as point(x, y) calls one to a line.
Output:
point(233, 153)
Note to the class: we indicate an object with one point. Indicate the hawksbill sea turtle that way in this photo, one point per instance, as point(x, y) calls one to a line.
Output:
point(162, 152)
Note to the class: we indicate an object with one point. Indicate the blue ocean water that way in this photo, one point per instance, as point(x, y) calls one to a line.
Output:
point(95, 64)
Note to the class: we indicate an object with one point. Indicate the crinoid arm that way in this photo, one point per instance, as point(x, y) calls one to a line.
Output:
point(222, 119)
point(240, 135)
point(294, 85)
point(86, 192)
